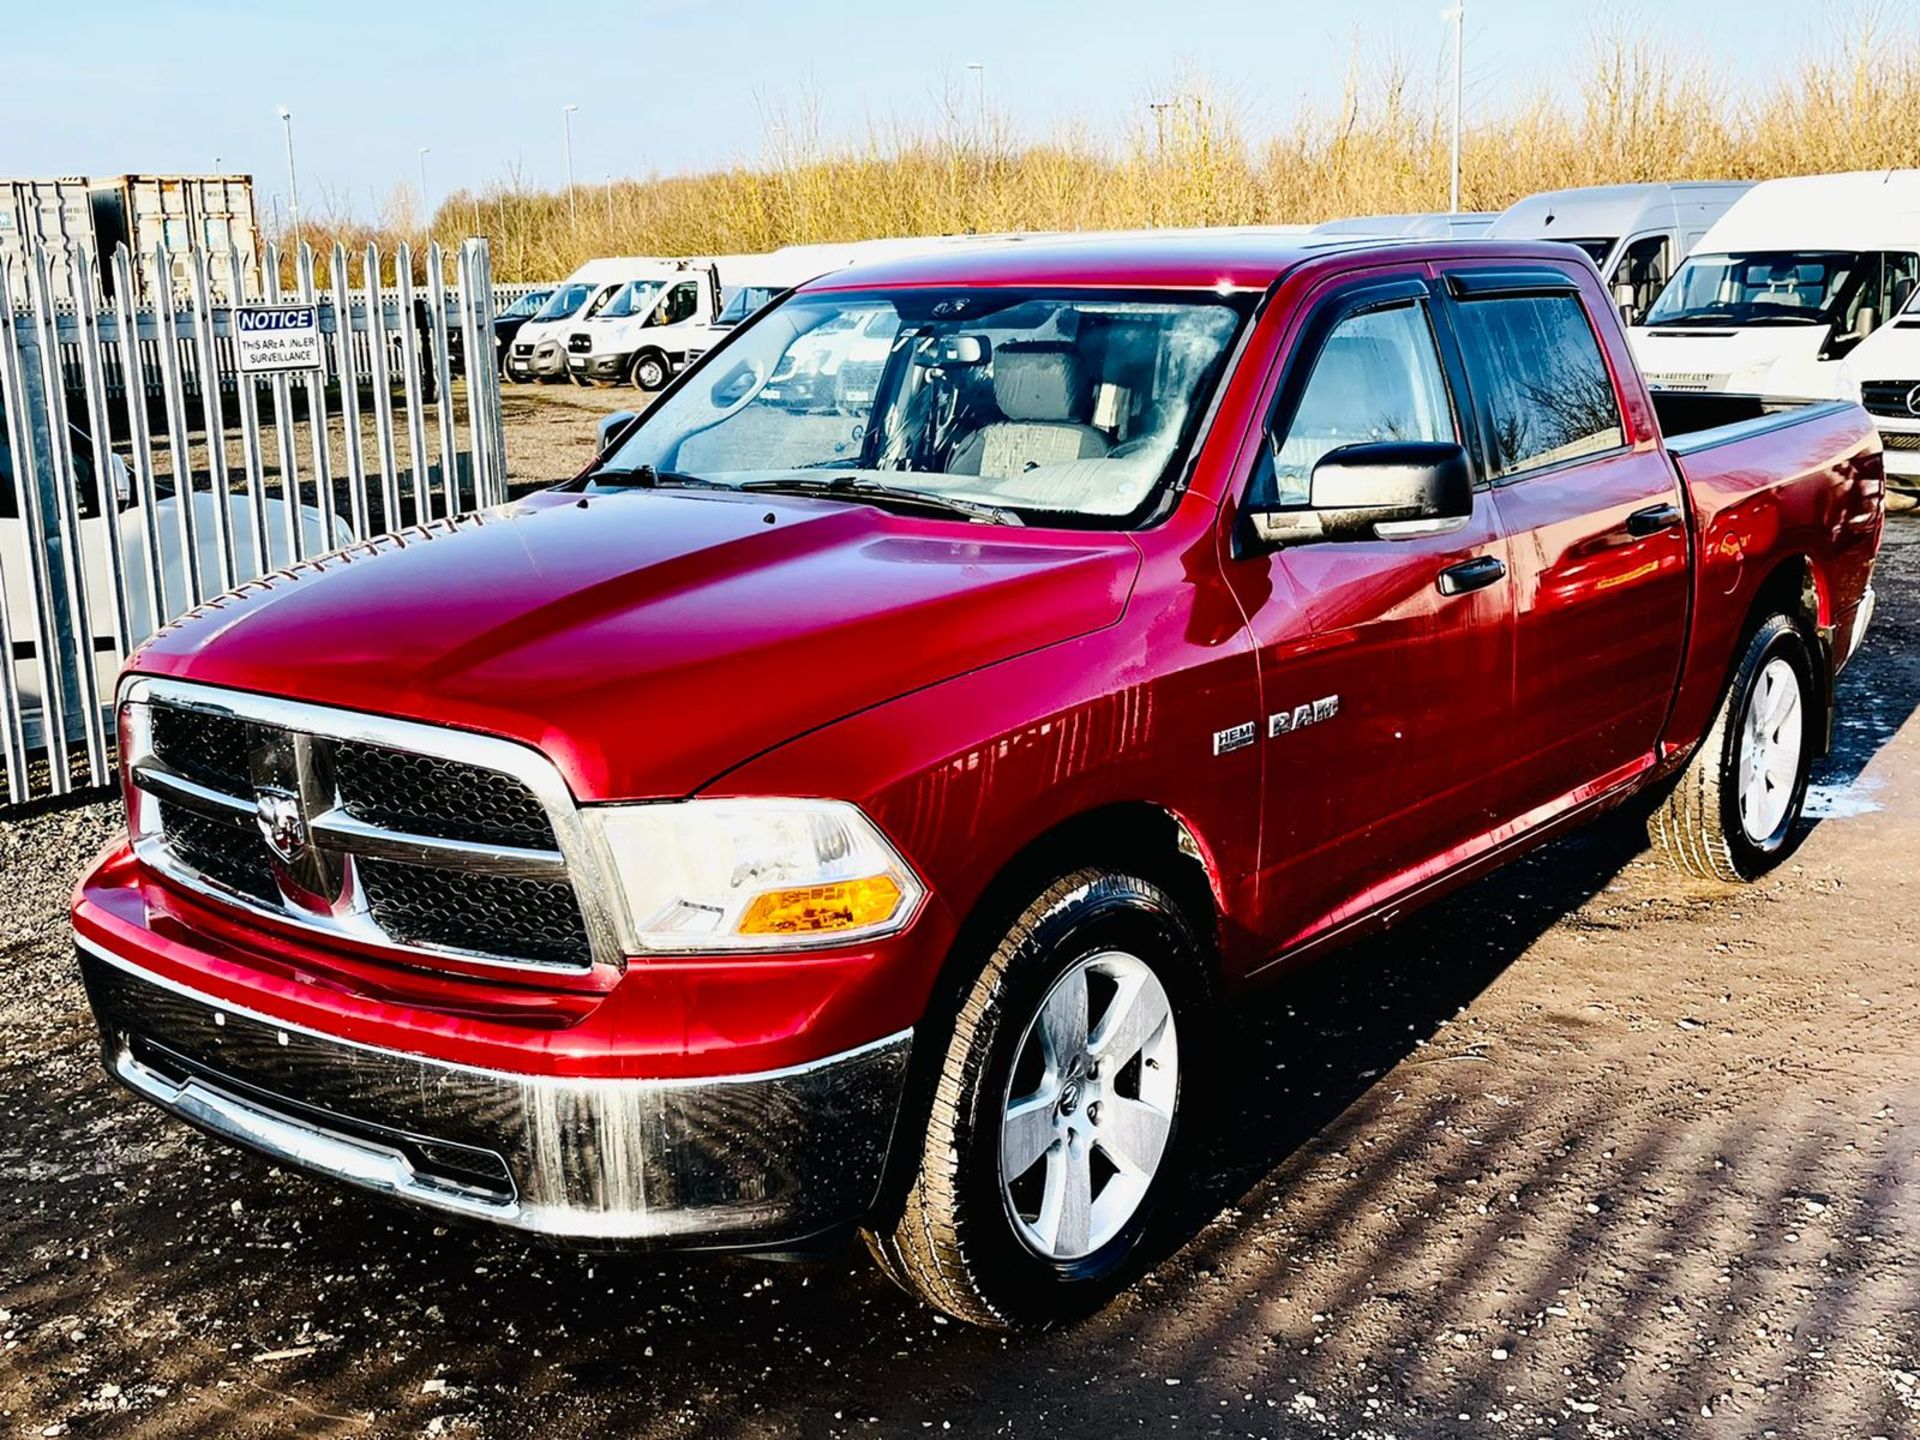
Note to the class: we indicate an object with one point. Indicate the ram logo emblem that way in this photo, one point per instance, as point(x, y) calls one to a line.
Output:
point(1285, 722)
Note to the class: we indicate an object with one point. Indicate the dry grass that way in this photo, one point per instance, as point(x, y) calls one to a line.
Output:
point(1638, 113)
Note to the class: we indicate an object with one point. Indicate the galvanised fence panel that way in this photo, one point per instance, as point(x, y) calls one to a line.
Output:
point(142, 470)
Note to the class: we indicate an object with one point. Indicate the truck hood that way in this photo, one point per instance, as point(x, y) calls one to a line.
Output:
point(1781, 360)
point(649, 641)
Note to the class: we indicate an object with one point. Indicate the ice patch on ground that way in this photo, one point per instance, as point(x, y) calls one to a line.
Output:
point(1842, 802)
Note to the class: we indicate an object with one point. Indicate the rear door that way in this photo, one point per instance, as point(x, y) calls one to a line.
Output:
point(1596, 527)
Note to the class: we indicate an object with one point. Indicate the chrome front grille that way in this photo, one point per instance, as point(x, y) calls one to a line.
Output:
point(1897, 399)
point(436, 842)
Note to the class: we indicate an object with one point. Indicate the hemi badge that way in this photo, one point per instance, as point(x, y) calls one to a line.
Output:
point(1285, 722)
point(1236, 737)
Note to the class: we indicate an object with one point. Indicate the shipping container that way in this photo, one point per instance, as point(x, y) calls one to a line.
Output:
point(56, 214)
point(210, 212)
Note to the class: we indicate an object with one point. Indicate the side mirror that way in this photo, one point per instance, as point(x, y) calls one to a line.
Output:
point(1392, 490)
point(1627, 302)
point(1866, 321)
point(612, 430)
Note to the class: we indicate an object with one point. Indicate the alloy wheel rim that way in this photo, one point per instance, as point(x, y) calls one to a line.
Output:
point(1089, 1106)
point(1772, 733)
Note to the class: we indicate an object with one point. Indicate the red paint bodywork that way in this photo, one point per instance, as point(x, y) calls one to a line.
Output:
point(975, 688)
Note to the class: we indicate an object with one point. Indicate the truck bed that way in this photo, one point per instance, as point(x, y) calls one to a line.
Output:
point(1694, 420)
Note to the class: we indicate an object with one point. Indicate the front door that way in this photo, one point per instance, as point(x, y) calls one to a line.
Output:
point(1386, 664)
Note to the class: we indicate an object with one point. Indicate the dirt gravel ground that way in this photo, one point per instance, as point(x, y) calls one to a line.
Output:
point(1584, 1151)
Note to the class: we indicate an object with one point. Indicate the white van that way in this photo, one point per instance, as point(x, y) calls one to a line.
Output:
point(644, 333)
point(1784, 288)
point(539, 349)
point(1636, 235)
point(670, 315)
point(1886, 366)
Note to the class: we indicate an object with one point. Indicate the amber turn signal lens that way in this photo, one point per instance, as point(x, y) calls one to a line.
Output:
point(822, 909)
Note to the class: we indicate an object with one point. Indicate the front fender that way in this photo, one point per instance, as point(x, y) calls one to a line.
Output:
point(965, 775)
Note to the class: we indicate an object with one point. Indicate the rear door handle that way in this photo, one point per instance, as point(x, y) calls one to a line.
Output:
point(1653, 519)
point(1474, 574)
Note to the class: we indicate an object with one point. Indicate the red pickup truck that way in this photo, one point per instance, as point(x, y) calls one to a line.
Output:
point(844, 808)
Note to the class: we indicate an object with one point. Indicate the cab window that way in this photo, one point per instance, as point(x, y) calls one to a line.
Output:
point(1645, 268)
point(1377, 377)
point(1536, 366)
point(680, 302)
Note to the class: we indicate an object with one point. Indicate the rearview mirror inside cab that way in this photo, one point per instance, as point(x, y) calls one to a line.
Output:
point(1388, 490)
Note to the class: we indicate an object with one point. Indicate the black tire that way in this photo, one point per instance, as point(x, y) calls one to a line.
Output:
point(649, 371)
point(1699, 826)
point(953, 1240)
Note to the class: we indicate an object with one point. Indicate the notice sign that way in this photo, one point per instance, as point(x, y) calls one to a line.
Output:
point(270, 339)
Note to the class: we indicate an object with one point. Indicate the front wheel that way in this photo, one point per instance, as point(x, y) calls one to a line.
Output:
point(649, 371)
point(1055, 1128)
point(1735, 812)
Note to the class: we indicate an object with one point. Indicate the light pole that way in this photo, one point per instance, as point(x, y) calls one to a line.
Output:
point(980, 78)
point(293, 184)
point(426, 211)
point(566, 119)
point(1458, 15)
point(980, 75)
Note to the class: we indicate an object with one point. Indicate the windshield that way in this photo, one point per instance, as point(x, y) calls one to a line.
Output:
point(1062, 408)
point(1782, 287)
point(636, 297)
point(564, 301)
point(744, 301)
point(526, 305)
point(1597, 249)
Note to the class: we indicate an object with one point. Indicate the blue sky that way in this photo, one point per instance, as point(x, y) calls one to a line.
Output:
point(667, 85)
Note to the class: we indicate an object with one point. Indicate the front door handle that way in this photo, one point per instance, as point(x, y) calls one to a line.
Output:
point(1474, 574)
point(1654, 519)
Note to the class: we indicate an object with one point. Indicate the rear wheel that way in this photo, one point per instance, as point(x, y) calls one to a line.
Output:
point(1735, 811)
point(1055, 1127)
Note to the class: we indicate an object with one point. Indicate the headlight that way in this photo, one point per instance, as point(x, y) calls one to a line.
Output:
point(752, 874)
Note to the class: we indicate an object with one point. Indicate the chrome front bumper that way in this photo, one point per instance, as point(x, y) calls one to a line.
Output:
point(762, 1161)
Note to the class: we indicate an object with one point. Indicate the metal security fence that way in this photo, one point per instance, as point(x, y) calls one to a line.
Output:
point(144, 466)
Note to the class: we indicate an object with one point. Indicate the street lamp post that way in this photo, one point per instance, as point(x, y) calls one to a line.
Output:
point(293, 183)
point(566, 120)
point(1458, 15)
point(426, 210)
point(980, 76)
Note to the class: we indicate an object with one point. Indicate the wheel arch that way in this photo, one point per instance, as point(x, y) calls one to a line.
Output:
point(1140, 837)
point(1796, 588)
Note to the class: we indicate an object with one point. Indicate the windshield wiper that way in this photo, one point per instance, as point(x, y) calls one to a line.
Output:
point(645, 477)
point(849, 487)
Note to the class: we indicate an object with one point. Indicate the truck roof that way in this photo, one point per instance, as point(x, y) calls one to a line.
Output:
point(1224, 260)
